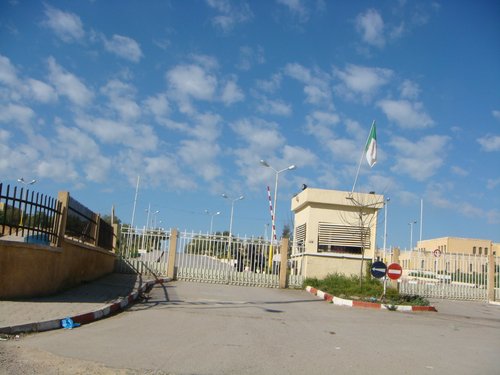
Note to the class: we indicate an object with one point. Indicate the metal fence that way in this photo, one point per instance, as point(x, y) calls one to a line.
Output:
point(213, 258)
point(453, 276)
point(83, 225)
point(28, 216)
point(143, 250)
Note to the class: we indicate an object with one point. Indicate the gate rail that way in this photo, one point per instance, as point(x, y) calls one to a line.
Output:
point(453, 276)
point(211, 258)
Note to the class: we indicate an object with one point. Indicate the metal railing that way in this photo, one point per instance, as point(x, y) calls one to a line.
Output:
point(454, 276)
point(84, 225)
point(204, 257)
point(28, 216)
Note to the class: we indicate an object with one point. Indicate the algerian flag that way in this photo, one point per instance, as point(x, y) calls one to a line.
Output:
point(371, 147)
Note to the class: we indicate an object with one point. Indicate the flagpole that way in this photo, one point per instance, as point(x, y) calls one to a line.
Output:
point(361, 159)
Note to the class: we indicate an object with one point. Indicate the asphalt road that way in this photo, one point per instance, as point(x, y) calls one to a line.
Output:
point(191, 328)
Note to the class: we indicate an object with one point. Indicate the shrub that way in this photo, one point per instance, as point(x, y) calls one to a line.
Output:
point(372, 289)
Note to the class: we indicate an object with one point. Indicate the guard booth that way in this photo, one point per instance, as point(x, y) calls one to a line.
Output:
point(334, 230)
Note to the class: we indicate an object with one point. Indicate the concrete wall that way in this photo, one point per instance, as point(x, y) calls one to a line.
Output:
point(28, 270)
point(320, 266)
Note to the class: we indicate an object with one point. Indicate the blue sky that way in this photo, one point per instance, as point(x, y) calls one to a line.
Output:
point(190, 95)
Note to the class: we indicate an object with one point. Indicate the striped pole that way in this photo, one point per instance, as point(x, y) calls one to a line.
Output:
point(273, 231)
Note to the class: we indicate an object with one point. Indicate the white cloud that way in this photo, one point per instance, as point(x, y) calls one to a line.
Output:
point(270, 85)
point(81, 148)
point(157, 105)
point(406, 114)
point(14, 113)
point(200, 155)
point(459, 171)
point(230, 14)
point(298, 9)
point(490, 143)
point(58, 169)
point(409, 90)
point(67, 26)
point(492, 183)
point(439, 195)
point(274, 107)
point(320, 125)
point(121, 99)
point(316, 84)
point(261, 136)
point(155, 171)
point(496, 114)
point(8, 74)
point(419, 159)
point(250, 57)
point(192, 81)
point(362, 80)
point(124, 47)
point(68, 85)
point(116, 132)
point(299, 156)
point(232, 93)
point(371, 27)
point(41, 91)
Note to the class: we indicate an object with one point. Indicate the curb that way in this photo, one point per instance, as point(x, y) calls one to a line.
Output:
point(371, 305)
point(86, 317)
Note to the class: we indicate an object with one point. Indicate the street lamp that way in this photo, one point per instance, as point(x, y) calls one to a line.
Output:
point(386, 206)
point(21, 180)
point(289, 168)
point(232, 209)
point(411, 232)
point(212, 218)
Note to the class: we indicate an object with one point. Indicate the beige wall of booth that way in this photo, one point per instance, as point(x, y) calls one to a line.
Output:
point(29, 270)
point(331, 218)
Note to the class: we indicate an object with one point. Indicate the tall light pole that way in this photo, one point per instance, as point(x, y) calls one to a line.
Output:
point(21, 180)
point(411, 232)
point(232, 210)
point(386, 206)
point(212, 218)
point(289, 168)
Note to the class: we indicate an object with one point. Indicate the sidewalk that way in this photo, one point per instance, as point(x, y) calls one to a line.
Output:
point(84, 304)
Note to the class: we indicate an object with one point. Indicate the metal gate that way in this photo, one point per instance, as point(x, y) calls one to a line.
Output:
point(453, 276)
point(143, 251)
point(229, 260)
point(201, 257)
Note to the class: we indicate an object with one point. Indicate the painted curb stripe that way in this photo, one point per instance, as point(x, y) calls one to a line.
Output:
point(83, 318)
point(362, 304)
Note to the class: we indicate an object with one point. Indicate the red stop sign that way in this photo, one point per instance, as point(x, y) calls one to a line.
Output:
point(394, 271)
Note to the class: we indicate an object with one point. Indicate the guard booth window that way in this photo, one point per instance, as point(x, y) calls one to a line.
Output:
point(345, 239)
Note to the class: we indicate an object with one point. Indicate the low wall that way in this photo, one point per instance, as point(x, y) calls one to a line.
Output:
point(320, 266)
point(29, 270)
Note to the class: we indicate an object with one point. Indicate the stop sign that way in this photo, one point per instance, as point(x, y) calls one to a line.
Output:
point(394, 271)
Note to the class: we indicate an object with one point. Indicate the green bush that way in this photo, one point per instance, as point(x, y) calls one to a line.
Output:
point(371, 290)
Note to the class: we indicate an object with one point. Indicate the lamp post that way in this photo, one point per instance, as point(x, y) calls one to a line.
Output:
point(411, 233)
point(21, 180)
point(231, 221)
point(232, 210)
point(212, 218)
point(289, 168)
point(386, 206)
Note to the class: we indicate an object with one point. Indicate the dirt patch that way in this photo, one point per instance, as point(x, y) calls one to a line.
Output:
point(17, 360)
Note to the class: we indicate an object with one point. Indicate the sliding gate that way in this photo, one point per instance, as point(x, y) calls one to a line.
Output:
point(227, 260)
point(201, 257)
point(143, 251)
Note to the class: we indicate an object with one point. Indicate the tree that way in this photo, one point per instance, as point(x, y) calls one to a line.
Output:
point(286, 231)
